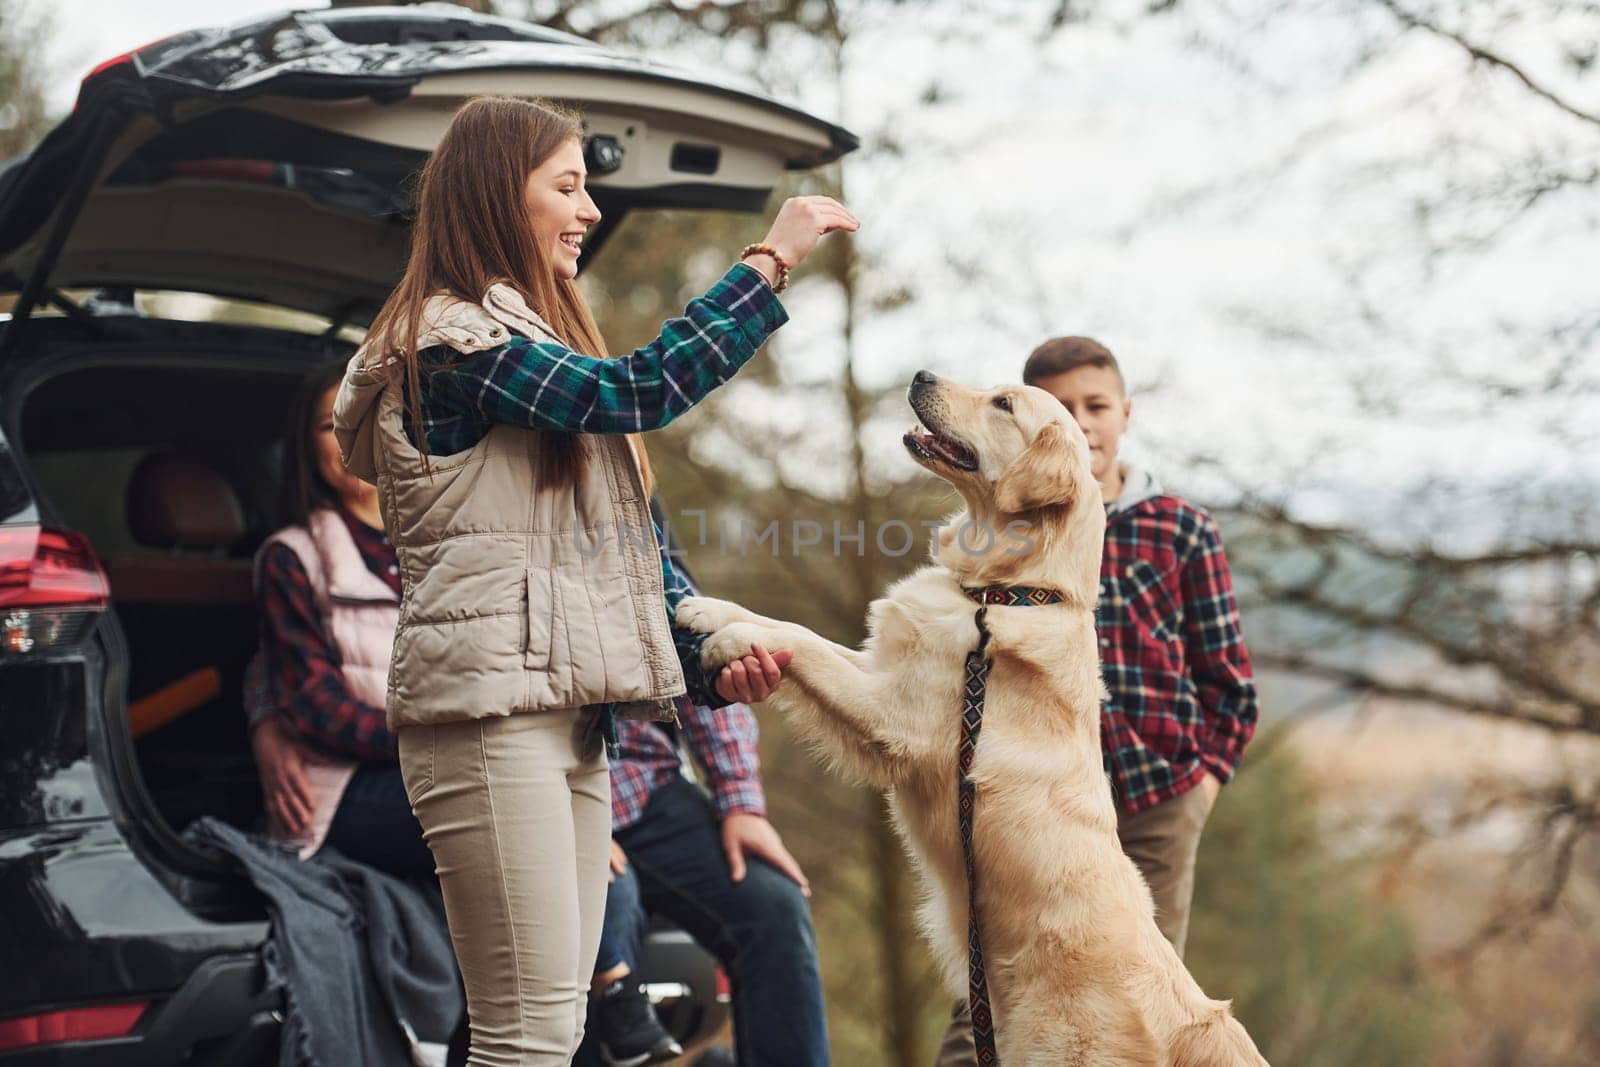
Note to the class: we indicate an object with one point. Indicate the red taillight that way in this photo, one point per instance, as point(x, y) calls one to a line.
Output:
point(724, 987)
point(73, 1024)
point(45, 568)
point(51, 585)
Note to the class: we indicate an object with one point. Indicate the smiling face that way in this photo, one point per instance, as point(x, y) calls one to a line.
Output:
point(352, 492)
point(1094, 397)
point(560, 207)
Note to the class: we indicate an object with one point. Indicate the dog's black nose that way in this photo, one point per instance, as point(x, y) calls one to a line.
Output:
point(924, 377)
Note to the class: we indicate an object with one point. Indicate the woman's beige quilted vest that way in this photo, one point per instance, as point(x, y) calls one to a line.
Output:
point(516, 596)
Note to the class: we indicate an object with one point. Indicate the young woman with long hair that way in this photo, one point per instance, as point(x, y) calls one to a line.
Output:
point(536, 597)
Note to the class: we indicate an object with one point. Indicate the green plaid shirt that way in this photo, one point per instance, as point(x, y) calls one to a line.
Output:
point(547, 386)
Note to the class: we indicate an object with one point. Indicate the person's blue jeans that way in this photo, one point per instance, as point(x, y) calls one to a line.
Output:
point(625, 924)
point(374, 824)
point(759, 928)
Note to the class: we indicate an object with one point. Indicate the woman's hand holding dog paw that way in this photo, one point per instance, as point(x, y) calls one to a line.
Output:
point(727, 644)
point(750, 673)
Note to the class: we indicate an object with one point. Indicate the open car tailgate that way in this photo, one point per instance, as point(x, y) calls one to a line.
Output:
point(270, 160)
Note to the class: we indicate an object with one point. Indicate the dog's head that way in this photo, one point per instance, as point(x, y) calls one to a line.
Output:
point(1021, 464)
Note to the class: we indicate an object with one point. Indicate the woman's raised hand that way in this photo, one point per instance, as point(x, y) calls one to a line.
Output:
point(801, 223)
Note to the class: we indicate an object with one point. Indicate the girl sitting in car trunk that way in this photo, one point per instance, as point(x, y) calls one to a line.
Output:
point(536, 598)
point(328, 588)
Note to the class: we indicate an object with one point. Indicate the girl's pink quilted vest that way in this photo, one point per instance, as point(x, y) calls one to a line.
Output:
point(361, 612)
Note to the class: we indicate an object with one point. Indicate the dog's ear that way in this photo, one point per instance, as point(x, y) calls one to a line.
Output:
point(1041, 477)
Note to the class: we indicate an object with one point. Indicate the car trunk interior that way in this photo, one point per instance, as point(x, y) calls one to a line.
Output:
point(171, 464)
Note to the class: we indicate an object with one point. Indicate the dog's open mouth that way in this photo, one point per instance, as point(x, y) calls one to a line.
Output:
point(932, 446)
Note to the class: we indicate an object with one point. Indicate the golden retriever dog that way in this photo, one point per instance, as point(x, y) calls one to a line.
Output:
point(1078, 972)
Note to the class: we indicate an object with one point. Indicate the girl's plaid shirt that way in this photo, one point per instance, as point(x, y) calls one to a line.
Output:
point(546, 386)
point(300, 674)
point(1182, 692)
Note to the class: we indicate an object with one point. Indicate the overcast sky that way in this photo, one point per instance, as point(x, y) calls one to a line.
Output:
point(1225, 199)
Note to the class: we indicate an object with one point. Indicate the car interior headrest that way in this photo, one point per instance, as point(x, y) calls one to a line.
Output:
point(180, 502)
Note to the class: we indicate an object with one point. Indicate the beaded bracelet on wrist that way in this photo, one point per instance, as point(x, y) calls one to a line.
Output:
point(782, 281)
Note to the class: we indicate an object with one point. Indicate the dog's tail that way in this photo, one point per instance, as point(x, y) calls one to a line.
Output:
point(1215, 1040)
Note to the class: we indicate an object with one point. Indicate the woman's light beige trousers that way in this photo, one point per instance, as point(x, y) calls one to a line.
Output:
point(517, 811)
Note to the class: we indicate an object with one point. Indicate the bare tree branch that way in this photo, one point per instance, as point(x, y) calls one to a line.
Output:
point(1483, 55)
point(1362, 682)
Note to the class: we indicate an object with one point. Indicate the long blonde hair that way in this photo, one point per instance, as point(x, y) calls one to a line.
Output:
point(473, 230)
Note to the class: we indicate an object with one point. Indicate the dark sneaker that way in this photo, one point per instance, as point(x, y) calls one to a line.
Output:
point(627, 1030)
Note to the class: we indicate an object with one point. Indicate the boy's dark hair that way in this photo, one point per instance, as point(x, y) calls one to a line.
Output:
point(1061, 354)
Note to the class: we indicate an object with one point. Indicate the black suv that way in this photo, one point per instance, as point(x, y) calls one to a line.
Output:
point(140, 456)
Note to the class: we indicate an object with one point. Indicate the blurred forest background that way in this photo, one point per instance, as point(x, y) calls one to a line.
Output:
point(1347, 249)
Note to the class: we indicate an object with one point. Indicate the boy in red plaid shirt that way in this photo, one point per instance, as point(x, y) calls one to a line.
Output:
point(1182, 694)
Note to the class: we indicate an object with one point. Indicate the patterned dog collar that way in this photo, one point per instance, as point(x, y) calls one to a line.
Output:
point(1013, 596)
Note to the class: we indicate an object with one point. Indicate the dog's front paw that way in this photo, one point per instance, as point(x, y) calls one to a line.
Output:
point(727, 644)
point(707, 614)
